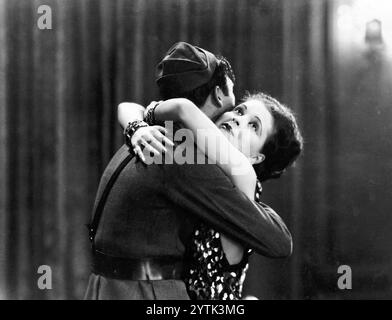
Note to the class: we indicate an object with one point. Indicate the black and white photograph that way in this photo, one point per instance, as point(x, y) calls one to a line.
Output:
point(196, 150)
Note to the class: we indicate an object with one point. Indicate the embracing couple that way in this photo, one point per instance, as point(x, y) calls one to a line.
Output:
point(168, 230)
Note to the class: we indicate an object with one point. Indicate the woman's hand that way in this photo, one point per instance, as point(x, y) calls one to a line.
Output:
point(152, 139)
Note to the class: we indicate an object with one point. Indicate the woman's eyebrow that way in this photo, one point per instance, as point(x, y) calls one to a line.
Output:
point(242, 105)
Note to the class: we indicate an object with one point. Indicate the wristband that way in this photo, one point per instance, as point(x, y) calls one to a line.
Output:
point(150, 115)
point(131, 129)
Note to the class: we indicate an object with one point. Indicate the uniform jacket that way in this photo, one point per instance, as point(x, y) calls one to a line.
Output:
point(152, 210)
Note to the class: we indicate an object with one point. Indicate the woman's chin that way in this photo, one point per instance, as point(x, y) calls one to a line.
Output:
point(235, 143)
point(229, 136)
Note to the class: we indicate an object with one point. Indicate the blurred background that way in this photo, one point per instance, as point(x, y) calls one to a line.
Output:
point(331, 61)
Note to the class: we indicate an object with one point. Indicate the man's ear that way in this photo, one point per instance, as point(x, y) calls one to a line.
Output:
point(259, 158)
point(218, 95)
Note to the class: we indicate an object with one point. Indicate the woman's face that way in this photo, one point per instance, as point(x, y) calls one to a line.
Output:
point(248, 126)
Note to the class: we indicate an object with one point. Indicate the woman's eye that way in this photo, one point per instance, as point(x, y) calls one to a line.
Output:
point(238, 111)
point(254, 126)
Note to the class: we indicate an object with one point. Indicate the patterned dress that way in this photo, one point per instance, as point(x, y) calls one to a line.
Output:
point(209, 275)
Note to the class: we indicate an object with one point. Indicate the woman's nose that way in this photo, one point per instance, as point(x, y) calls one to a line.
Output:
point(236, 121)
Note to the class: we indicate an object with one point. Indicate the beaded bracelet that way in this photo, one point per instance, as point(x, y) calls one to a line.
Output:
point(131, 129)
point(150, 115)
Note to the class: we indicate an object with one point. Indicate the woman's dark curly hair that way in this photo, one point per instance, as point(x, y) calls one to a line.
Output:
point(284, 145)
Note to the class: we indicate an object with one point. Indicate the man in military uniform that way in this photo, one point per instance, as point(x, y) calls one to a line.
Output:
point(144, 215)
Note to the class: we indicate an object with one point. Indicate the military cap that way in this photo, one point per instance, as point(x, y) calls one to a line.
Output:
point(185, 67)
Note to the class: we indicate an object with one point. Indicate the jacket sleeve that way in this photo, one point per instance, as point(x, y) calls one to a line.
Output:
point(205, 191)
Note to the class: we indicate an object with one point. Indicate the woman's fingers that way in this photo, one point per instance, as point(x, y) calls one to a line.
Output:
point(161, 129)
point(167, 141)
point(151, 139)
point(159, 134)
point(154, 142)
point(138, 151)
point(149, 148)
